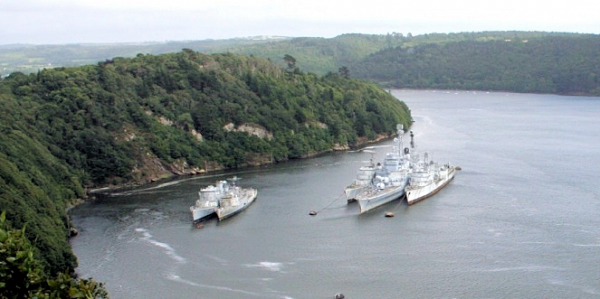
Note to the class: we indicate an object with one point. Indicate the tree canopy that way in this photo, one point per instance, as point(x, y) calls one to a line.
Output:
point(22, 275)
point(564, 64)
point(520, 61)
point(126, 120)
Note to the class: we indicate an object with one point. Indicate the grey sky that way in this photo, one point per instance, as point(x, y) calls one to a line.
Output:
point(87, 21)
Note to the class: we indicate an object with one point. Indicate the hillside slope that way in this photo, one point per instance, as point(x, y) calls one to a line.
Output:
point(561, 64)
point(519, 61)
point(132, 120)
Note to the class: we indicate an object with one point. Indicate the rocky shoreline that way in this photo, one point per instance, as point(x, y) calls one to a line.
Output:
point(156, 171)
point(167, 172)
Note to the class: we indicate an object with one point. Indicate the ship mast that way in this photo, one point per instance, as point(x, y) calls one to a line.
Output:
point(399, 144)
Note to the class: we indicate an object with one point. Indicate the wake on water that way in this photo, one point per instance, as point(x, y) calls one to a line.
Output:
point(166, 248)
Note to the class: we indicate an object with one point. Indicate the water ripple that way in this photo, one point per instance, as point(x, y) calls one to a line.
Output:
point(166, 248)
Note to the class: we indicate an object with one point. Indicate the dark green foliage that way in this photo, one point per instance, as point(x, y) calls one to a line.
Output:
point(21, 274)
point(34, 190)
point(560, 64)
point(549, 62)
point(322, 55)
point(66, 129)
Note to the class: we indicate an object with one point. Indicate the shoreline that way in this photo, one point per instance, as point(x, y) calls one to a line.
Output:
point(191, 172)
point(91, 193)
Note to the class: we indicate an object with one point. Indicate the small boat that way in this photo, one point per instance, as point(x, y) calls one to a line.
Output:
point(208, 201)
point(426, 179)
point(235, 200)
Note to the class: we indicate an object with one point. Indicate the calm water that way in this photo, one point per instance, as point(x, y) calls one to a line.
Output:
point(519, 221)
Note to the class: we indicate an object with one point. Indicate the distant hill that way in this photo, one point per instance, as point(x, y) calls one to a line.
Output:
point(135, 120)
point(31, 58)
point(557, 64)
point(545, 62)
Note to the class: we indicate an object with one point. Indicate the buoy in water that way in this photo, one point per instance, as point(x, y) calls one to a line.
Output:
point(312, 213)
point(339, 296)
point(389, 214)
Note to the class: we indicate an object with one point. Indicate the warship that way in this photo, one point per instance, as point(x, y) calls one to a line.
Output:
point(363, 181)
point(208, 201)
point(389, 180)
point(235, 200)
point(427, 178)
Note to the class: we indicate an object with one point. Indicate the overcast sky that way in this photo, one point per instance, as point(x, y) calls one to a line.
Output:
point(100, 21)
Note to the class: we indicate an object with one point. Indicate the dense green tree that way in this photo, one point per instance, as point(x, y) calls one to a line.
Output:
point(130, 120)
point(563, 64)
point(554, 63)
point(21, 274)
point(344, 72)
point(290, 61)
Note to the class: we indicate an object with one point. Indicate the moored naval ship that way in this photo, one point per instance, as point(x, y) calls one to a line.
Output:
point(363, 181)
point(208, 200)
point(390, 178)
point(427, 178)
point(235, 200)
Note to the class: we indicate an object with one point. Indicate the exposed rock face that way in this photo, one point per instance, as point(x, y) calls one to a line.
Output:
point(151, 168)
point(212, 166)
point(165, 121)
point(339, 147)
point(259, 159)
point(229, 127)
point(251, 129)
point(197, 135)
point(127, 134)
point(130, 137)
point(318, 124)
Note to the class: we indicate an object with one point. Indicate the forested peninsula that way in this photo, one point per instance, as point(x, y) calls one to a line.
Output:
point(516, 61)
point(133, 120)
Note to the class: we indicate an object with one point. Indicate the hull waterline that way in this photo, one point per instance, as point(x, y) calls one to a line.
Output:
point(382, 197)
point(415, 194)
point(245, 200)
